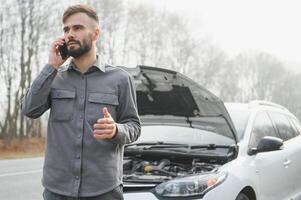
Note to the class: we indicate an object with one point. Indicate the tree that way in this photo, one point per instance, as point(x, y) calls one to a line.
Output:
point(23, 29)
point(207, 66)
point(139, 31)
point(258, 73)
point(111, 14)
point(8, 69)
point(287, 92)
point(228, 82)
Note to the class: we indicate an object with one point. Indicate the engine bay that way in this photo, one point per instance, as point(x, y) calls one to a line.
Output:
point(157, 170)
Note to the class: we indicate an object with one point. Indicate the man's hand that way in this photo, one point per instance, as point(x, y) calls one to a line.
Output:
point(55, 58)
point(105, 128)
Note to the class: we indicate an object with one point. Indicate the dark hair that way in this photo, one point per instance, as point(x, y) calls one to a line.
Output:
point(81, 8)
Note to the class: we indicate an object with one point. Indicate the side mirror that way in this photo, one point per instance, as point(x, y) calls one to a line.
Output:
point(267, 143)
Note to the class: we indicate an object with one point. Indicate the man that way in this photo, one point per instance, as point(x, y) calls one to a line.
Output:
point(92, 114)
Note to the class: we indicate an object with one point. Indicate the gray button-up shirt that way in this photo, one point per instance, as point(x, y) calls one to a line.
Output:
point(77, 164)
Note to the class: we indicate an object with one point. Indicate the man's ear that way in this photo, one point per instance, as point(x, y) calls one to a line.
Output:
point(96, 33)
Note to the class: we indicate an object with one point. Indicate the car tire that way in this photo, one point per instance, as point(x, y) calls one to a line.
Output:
point(242, 196)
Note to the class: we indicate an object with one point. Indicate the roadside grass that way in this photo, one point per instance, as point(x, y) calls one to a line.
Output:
point(25, 148)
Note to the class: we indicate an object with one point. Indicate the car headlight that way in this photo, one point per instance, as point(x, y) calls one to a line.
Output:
point(190, 186)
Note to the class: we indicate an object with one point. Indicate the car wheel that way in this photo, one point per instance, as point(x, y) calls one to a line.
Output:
point(242, 196)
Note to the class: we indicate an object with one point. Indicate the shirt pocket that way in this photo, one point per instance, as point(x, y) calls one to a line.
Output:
point(62, 105)
point(97, 101)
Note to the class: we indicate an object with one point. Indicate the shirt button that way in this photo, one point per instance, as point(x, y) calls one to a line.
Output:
point(77, 177)
point(78, 157)
point(79, 136)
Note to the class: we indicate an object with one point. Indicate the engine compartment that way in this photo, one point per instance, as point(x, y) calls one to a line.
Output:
point(157, 170)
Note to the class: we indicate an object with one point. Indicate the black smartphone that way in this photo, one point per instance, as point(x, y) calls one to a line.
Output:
point(63, 51)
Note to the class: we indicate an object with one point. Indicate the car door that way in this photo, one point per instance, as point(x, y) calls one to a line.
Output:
point(297, 126)
point(292, 158)
point(269, 165)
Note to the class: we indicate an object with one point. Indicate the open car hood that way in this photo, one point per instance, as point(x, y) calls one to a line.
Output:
point(162, 92)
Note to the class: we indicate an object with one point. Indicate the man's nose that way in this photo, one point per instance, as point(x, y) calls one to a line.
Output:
point(70, 35)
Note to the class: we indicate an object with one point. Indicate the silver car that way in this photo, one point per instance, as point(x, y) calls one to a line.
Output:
point(190, 147)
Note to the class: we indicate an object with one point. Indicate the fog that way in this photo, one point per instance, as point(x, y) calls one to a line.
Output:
point(239, 50)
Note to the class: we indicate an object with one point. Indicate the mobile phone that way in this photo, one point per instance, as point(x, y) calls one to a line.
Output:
point(63, 51)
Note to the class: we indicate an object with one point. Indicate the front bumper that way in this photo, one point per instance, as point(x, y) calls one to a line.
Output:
point(139, 195)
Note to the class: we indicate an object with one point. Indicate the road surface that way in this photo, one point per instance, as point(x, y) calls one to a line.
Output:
point(20, 179)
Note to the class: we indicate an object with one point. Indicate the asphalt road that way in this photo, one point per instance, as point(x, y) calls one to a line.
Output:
point(20, 179)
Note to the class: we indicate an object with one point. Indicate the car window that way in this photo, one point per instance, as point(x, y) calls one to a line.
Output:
point(240, 118)
point(283, 125)
point(262, 127)
point(296, 125)
point(181, 135)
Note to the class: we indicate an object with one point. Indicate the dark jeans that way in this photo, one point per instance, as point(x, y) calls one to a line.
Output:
point(115, 194)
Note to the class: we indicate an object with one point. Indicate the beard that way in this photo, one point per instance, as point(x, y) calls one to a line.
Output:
point(83, 48)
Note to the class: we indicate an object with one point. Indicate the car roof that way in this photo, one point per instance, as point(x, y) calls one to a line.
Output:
point(238, 106)
point(256, 104)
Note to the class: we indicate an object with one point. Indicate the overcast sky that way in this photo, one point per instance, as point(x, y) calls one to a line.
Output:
point(272, 26)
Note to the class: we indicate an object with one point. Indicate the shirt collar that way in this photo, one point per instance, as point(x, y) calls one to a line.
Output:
point(98, 64)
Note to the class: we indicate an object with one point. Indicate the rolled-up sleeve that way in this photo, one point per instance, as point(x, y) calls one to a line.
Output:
point(36, 100)
point(128, 122)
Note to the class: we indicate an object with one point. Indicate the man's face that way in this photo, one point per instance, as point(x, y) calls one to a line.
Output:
point(79, 48)
point(78, 32)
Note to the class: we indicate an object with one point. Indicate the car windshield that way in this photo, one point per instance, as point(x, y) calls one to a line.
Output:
point(239, 114)
point(181, 135)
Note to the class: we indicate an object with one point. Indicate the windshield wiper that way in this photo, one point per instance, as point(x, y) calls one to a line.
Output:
point(176, 146)
point(158, 144)
point(209, 146)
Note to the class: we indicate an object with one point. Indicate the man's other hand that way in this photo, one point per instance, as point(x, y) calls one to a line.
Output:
point(105, 128)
